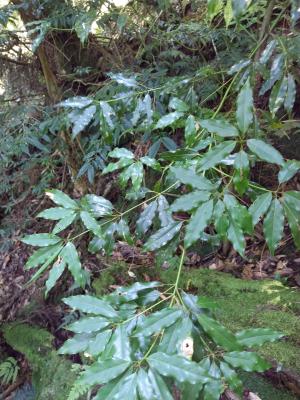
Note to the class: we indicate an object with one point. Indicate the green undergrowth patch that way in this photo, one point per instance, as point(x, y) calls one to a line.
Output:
point(52, 376)
point(249, 304)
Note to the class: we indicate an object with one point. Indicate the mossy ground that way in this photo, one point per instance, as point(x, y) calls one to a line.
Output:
point(52, 376)
point(247, 304)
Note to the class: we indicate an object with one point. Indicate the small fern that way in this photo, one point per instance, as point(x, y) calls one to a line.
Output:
point(9, 371)
point(77, 389)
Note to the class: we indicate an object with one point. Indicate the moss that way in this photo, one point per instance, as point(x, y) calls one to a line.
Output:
point(52, 376)
point(246, 304)
point(265, 389)
point(107, 278)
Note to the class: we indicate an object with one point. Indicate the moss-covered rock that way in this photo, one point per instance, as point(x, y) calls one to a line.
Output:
point(52, 376)
point(247, 304)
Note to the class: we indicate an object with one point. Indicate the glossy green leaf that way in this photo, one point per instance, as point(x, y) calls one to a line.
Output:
point(189, 201)
point(163, 236)
point(216, 155)
point(174, 335)
point(239, 214)
point(128, 389)
point(76, 102)
point(121, 153)
point(90, 305)
point(76, 344)
point(168, 119)
point(178, 105)
point(198, 223)
point(218, 333)
point(189, 392)
point(80, 119)
point(293, 217)
point(189, 177)
point(220, 218)
point(144, 385)
point(290, 98)
point(190, 130)
point(241, 161)
point(160, 389)
point(111, 389)
point(54, 275)
point(146, 217)
point(178, 367)
point(61, 199)
point(213, 390)
point(268, 51)
point(220, 127)
point(247, 361)
point(122, 163)
point(108, 113)
point(102, 372)
point(88, 325)
point(42, 255)
point(231, 378)
point(292, 198)
point(97, 244)
point(265, 151)
point(289, 169)
point(91, 223)
point(275, 73)
point(98, 344)
point(278, 95)
point(134, 172)
point(55, 213)
point(238, 66)
point(244, 112)
point(260, 206)
point(257, 336)
point(134, 291)
point(41, 239)
point(239, 7)
point(64, 223)
point(70, 257)
point(121, 343)
point(157, 321)
point(178, 155)
point(48, 262)
point(236, 237)
point(98, 206)
point(150, 162)
point(273, 225)
point(164, 212)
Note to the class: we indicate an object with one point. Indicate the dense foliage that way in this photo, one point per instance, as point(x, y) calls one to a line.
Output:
point(161, 112)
